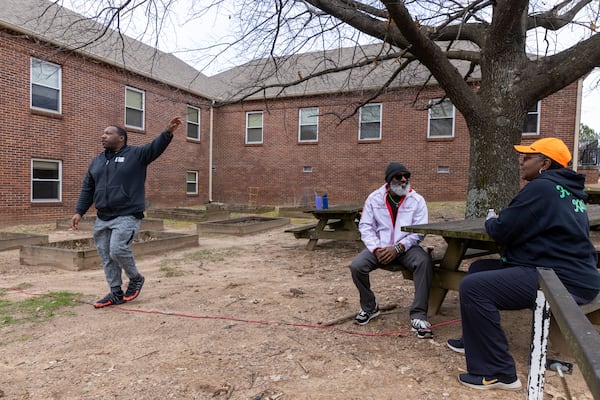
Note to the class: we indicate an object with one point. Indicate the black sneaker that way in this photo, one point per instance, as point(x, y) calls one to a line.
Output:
point(422, 328)
point(134, 288)
point(110, 299)
point(504, 382)
point(457, 345)
point(364, 317)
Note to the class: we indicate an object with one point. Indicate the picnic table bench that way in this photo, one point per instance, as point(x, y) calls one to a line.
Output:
point(304, 231)
point(338, 223)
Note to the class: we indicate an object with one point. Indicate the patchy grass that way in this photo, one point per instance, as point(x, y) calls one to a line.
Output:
point(36, 309)
point(169, 267)
point(211, 254)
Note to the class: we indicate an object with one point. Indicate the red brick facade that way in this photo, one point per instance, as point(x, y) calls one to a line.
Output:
point(93, 96)
point(344, 167)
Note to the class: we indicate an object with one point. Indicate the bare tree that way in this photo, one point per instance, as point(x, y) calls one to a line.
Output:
point(513, 76)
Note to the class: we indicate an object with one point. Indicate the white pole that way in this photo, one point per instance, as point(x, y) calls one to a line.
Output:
point(577, 123)
point(539, 345)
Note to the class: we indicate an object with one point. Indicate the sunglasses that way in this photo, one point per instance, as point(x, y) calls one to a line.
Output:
point(399, 177)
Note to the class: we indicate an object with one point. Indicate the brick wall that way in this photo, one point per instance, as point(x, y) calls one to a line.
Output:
point(344, 167)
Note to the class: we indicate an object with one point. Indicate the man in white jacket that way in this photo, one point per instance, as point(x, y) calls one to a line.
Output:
point(385, 212)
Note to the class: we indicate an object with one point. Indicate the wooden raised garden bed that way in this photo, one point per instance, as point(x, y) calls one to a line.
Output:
point(87, 224)
point(10, 240)
point(187, 214)
point(242, 226)
point(81, 254)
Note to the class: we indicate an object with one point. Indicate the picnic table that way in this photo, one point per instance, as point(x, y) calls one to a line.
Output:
point(465, 239)
point(593, 192)
point(337, 222)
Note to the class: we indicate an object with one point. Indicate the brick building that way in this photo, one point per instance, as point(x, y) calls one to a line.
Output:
point(60, 89)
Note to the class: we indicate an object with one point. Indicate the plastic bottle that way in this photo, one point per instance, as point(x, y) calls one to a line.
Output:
point(491, 214)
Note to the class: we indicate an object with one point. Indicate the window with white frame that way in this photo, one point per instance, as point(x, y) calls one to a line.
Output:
point(441, 119)
point(134, 108)
point(46, 179)
point(532, 121)
point(193, 123)
point(254, 127)
point(369, 122)
point(191, 182)
point(308, 125)
point(46, 86)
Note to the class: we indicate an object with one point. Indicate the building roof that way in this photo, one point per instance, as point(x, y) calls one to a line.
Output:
point(64, 28)
point(275, 74)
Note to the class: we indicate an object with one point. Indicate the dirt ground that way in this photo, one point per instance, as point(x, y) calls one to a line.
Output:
point(242, 318)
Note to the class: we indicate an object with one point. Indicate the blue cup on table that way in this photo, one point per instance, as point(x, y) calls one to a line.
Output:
point(318, 202)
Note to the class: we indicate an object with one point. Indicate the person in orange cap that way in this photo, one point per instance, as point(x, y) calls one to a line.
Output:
point(545, 225)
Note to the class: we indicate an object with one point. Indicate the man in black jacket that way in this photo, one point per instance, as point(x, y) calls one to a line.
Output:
point(114, 183)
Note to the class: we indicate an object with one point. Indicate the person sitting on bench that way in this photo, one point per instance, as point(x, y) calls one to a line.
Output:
point(545, 225)
point(385, 212)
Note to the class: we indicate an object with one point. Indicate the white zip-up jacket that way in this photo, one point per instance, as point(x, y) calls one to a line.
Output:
point(376, 226)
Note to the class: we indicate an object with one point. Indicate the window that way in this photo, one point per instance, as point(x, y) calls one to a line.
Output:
point(308, 127)
point(254, 127)
point(370, 122)
point(441, 119)
point(193, 123)
point(191, 182)
point(532, 121)
point(134, 108)
point(46, 176)
point(45, 86)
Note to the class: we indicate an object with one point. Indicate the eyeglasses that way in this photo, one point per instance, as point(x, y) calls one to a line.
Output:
point(399, 177)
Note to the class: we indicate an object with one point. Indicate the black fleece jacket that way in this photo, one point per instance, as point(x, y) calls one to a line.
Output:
point(546, 225)
point(115, 181)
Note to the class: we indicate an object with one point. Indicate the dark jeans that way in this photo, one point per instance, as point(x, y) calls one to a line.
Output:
point(487, 289)
point(415, 259)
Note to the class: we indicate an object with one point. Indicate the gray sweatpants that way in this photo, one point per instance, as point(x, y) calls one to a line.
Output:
point(415, 259)
point(113, 241)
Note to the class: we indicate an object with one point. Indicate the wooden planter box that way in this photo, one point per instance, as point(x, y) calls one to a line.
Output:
point(242, 226)
point(81, 254)
point(87, 224)
point(10, 240)
point(187, 214)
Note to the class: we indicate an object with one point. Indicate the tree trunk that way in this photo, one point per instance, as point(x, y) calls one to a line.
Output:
point(494, 165)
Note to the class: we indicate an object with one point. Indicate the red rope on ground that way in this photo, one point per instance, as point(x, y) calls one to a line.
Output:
point(255, 321)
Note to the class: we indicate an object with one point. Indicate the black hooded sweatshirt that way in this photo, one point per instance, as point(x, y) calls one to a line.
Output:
point(546, 225)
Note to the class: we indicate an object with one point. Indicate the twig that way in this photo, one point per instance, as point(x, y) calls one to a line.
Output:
point(351, 316)
point(144, 355)
point(302, 366)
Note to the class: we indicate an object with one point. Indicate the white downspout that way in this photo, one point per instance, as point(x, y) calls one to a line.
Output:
point(577, 123)
point(210, 154)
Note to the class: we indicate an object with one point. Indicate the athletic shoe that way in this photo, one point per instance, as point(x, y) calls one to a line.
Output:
point(110, 299)
point(134, 288)
point(422, 328)
point(457, 345)
point(364, 317)
point(504, 382)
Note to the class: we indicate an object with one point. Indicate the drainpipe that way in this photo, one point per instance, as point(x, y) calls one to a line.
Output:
point(210, 153)
point(577, 123)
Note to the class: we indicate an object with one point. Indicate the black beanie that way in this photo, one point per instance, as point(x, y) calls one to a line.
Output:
point(393, 169)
